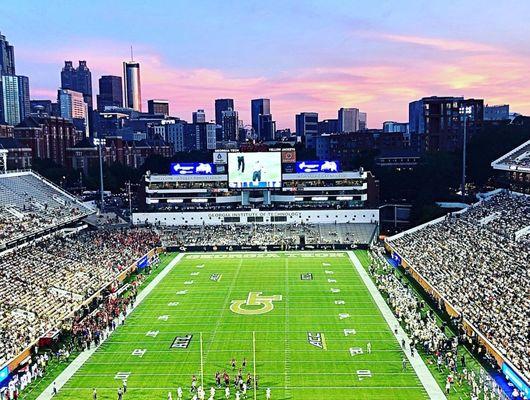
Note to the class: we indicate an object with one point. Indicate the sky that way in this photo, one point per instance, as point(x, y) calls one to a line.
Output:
point(303, 55)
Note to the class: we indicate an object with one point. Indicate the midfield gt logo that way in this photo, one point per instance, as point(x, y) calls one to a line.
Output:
point(254, 299)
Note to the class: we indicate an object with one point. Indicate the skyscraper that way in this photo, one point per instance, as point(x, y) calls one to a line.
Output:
point(198, 116)
point(259, 107)
point(68, 76)
point(436, 123)
point(328, 126)
point(202, 136)
point(72, 105)
point(307, 128)
point(363, 121)
point(7, 57)
point(24, 97)
point(110, 92)
point(348, 119)
point(158, 107)
point(266, 127)
point(84, 83)
point(220, 106)
point(132, 86)
point(14, 89)
point(14, 99)
point(78, 79)
point(230, 124)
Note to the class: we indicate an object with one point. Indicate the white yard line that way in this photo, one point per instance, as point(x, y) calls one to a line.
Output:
point(225, 306)
point(80, 360)
point(427, 380)
point(287, 350)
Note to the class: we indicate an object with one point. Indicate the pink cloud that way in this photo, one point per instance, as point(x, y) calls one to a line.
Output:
point(382, 88)
point(439, 43)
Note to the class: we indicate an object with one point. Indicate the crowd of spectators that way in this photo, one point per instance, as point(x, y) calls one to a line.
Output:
point(480, 264)
point(433, 339)
point(45, 281)
point(262, 234)
point(89, 326)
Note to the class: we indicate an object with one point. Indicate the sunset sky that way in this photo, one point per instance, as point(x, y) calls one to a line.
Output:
point(304, 56)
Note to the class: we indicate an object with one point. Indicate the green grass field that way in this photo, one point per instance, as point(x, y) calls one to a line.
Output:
point(285, 360)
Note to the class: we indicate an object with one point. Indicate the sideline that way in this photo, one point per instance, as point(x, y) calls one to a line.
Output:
point(427, 380)
point(80, 360)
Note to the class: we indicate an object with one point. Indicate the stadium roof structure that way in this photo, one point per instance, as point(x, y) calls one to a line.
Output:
point(31, 206)
point(517, 160)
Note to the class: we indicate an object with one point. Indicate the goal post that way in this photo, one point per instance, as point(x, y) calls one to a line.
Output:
point(254, 362)
point(202, 362)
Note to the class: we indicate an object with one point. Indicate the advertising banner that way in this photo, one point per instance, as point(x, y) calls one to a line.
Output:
point(192, 169)
point(303, 167)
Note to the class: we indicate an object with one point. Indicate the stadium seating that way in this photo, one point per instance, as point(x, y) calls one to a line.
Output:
point(29, 204)
point(45, 281)
point(479, 261)
point(255, 235)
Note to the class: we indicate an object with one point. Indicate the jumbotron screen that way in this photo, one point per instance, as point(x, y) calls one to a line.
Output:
point(255, 170)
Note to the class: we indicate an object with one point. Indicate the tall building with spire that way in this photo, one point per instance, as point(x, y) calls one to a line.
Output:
point(132, 91)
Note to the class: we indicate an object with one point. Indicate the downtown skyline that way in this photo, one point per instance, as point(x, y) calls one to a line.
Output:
point(304, 57)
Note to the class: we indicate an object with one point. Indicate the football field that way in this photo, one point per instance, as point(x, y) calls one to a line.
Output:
point(305, 318)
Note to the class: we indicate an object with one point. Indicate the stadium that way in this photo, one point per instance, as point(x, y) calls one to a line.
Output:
point(260, 276)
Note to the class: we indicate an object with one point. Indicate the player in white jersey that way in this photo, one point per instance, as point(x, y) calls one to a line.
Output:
point(169, 396)
point(238, 396)
point(369, 348)
point(179, 393)
point(268, 393)
point(212, 392)
point(227, 392)
point(244, 390)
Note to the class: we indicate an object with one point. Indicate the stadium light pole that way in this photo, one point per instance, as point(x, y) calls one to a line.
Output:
point(100, 143)
point(464, 112)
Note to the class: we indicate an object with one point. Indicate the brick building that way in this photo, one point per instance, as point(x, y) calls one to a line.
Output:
point(85, 155)
point(47, 137)
point(19, 156)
